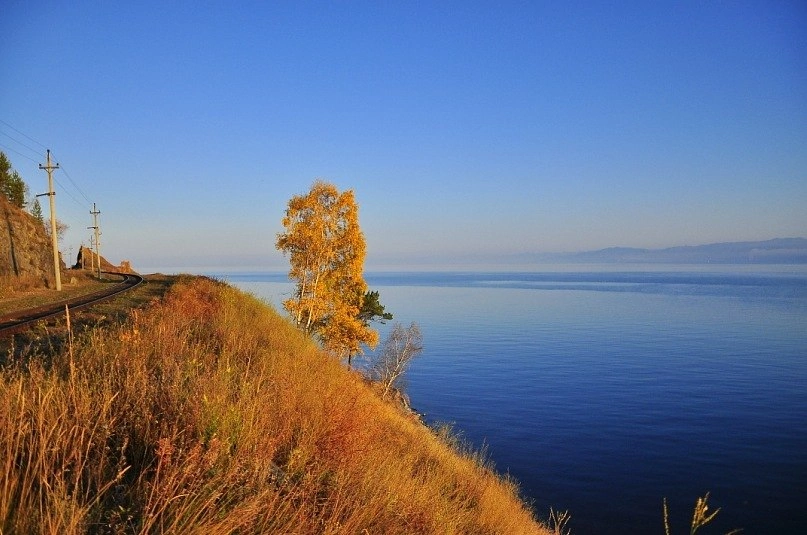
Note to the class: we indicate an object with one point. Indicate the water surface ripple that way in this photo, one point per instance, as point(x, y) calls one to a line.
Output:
point(604, 391)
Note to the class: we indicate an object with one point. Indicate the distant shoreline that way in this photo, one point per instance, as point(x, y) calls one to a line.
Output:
point(779, 251)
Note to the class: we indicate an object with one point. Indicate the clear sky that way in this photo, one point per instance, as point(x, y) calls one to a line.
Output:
point(467, 130)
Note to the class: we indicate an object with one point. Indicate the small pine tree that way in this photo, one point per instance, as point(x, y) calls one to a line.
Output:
point(373, 310)
point(11, 183)
point(36, 211)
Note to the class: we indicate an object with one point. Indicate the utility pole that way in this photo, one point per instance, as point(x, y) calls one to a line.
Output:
point(91, 248)
point(53, 238)
point(95, 214)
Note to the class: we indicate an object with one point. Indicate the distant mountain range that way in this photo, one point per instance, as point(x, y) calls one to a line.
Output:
point(776, 251)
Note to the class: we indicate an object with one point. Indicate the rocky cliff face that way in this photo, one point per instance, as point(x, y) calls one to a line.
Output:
point(25, 251)
point(86, 259)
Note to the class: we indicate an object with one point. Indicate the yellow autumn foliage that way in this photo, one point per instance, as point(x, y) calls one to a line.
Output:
point(326, 251)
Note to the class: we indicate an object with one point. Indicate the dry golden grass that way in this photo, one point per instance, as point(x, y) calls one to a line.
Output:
point(19, 293)
point(11, 285)
point(209, 413)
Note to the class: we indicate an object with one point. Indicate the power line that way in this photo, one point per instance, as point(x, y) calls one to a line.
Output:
point(35, 151)
point(24, 135)
point(67, 192)
point(19, 142)
point(74, 184)
point(61, 186)
point(49, 167)
point(17, 152)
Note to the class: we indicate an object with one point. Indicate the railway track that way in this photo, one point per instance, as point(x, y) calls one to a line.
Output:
point(24, 319)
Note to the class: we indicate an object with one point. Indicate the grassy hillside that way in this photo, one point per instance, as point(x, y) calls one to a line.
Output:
point(209, 413)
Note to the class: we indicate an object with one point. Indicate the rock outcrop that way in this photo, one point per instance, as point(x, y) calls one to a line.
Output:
point(87, 259)
point(26, 256)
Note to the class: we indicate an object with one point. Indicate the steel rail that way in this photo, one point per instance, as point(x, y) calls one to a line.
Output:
point(25, 319)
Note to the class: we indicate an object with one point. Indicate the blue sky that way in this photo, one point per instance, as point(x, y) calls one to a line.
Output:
point(469, 131)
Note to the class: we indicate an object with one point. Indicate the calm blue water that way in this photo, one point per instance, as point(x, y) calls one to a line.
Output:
point(604, 391)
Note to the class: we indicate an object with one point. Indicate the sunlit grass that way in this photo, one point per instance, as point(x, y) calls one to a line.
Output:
point(209, 413)
point(701, 516)
point(17, 293)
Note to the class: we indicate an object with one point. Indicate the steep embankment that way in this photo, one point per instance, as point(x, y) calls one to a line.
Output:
point(209, 413)
point(26, 257)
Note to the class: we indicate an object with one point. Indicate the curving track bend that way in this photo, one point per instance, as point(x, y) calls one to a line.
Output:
point(19, 321)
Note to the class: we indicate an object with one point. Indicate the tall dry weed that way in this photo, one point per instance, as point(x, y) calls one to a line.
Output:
point(209, 413)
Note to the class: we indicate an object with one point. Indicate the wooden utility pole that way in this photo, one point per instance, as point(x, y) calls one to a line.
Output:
point(90, 249)
point(94, 214)
point(49, 167)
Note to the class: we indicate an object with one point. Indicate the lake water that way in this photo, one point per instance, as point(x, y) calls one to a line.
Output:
point(604, 389)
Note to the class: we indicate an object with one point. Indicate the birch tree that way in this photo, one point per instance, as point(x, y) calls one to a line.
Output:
point(399, 348)
point(326, 251)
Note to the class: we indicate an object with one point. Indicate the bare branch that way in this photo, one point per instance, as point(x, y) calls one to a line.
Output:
point(400, 347)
